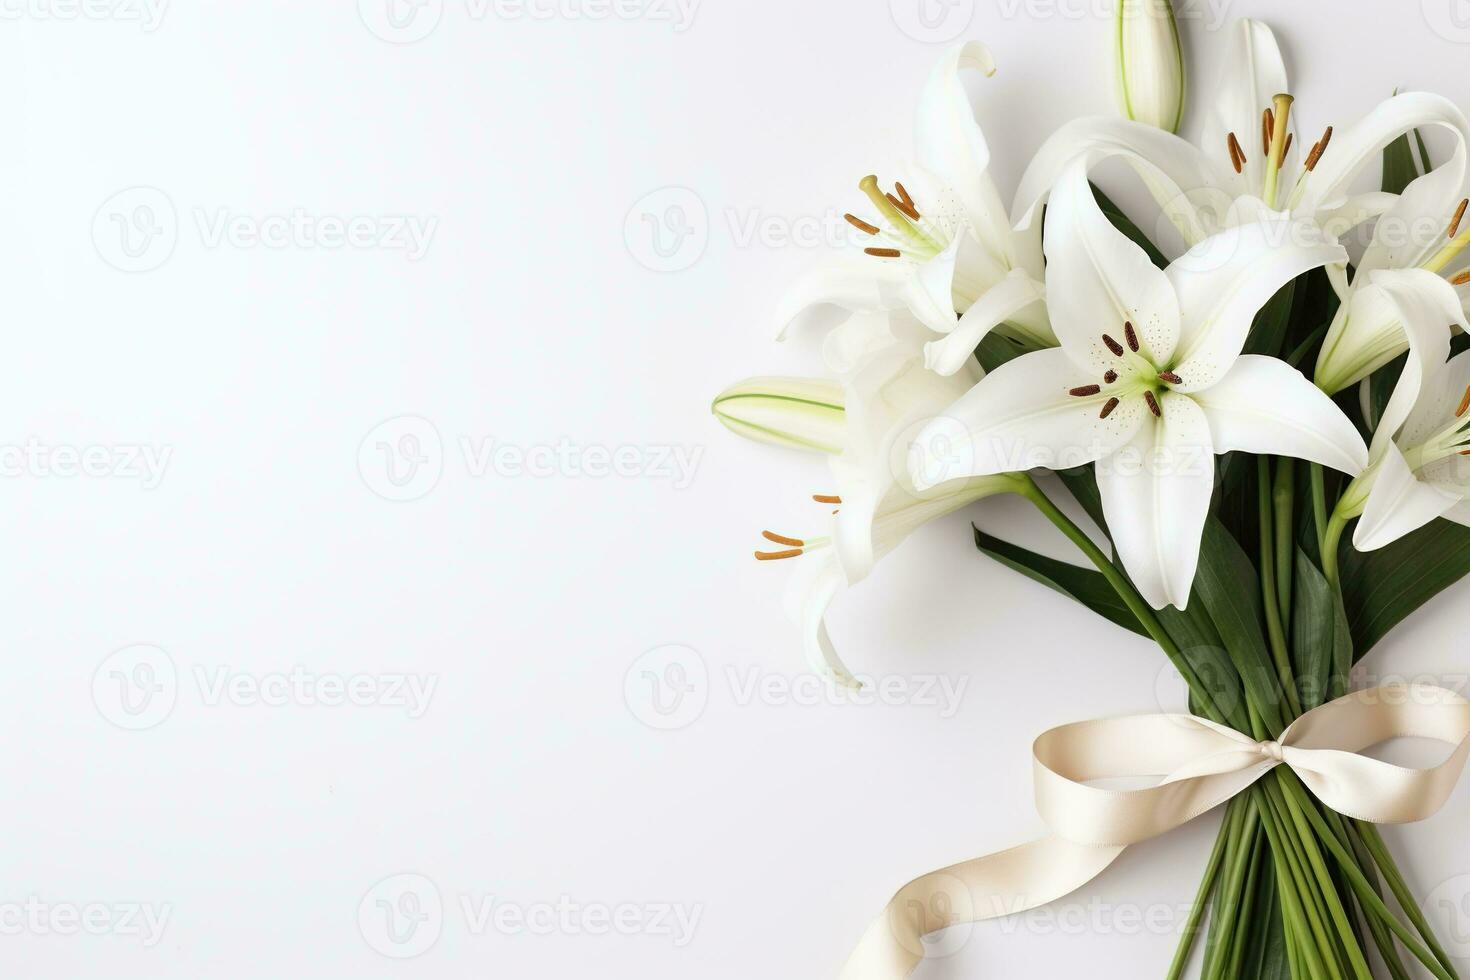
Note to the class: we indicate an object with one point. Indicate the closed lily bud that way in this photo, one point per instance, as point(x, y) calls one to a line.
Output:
point(799, 413)
point(1150, 65)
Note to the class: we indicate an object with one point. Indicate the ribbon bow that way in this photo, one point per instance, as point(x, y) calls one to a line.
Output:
point(1206, 765)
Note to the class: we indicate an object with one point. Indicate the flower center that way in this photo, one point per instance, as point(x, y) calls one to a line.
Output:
point(1275, 144)
point(1453, 439)
point(1140, 376)
point(908, 234)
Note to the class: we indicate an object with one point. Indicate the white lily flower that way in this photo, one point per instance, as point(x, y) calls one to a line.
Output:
point(1417, 464)
point(1150, 381)
point(888, 394)
point(796, 413)
point(1248, 161)
point(940, 244)
point(1150, 63)
point(1425, 230)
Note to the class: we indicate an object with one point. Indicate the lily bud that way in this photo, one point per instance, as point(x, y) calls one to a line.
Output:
point(798, 413)
point(1150, 67)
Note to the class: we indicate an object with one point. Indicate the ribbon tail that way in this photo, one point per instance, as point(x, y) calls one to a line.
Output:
point(989, 887)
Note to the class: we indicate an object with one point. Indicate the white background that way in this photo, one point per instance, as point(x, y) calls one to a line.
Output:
point(269, 832)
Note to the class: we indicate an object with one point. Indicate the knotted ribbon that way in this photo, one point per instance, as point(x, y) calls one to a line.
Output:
point(1204, 765)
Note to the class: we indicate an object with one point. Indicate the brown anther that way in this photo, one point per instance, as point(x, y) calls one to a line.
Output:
point(1319, 149)
point(1237, 155)
point(826, 498)
point(1268, 126)
point(1110, 377)
point(783, 539)
point(1455, 221)
point(1113, 346)
point(1286, 147)
point(1464, 404)
point(1108, 408)
point(1084, 391)
point(903, 193)
point(904, 206)
point(1130, 336)
point(1153, 404)
point(861, 225)
point(1461, 278)
point(1170, 377)
point(884, 253)
point(776, 555)
point(1465, 452)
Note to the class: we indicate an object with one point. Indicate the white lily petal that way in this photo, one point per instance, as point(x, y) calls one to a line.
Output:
point(1398, 503)
point(827, 295)
point(1225, 280)
point(953, 352)
point(1438, 402)
point(1252, 72)
point(1361, 144)
point(1184, 182)
point(1156, 495)
point(951, 145)
point(1019, 417)
point(1097, 280)
point(931, 291)
point(808, 596)
point(1265, 406)
point(798, 413)
point(1425, 305)
point(1364, 335)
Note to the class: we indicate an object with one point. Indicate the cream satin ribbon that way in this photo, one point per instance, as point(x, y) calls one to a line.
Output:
point(1206, 765)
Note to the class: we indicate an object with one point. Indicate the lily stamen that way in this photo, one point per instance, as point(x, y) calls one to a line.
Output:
point(1153, 404)
point(1464, 403)
point(1461, 278)
point(1113, 345)
point(1170, 377)
point(1237, 155)
point(1110, 377)
point(1085, 391)
point(783, 539)
point(1268, 124)
point(1455, 221)
point(861, 225)
point(823, 498)
point(884, 253)
point(1107, 409)
point(776, 555)
point(907, 207)
point(1130, 336)
point(898, 186)
point(1319, 148)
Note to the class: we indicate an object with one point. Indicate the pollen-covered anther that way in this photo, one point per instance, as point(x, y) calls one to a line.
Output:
point(1455, 221)
point(1084, 391)
point(1112, 345)
point(1237, 155)
point(1461, 278)
point(1170, 377)
point(1107, 409)
point(1110, 377)
point(861, 225)
point(907, 207)
point(884, 253)
point(1464, 403)
point(1130, 336)
point(783, 539)
point(776, 555)
point(1318, 149)
point(1153, 404)
point(826, 498)
point(1268, 125)
point(1286, 147)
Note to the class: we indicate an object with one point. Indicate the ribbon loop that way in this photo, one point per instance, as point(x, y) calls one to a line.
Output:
point(1202, 765)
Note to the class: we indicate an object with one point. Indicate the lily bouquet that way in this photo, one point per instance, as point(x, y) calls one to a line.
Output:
point(1225, 416)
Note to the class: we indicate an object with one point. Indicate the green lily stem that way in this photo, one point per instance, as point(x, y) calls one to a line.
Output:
point(1372, 841)
point(1331, 540)
point(1270, 590)
point(1206, 889)
point(1284, 498)
point(1319, 503)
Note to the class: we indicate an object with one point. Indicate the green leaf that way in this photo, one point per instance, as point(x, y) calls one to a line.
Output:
point(1381, 588)
point(1268, 332)
point(1125, 224)
point(1229, 587)
point(996, 349)
point(1085, 585)
point(1322, 644)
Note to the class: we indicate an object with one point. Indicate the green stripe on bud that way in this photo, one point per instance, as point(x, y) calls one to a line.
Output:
point(799, 413)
